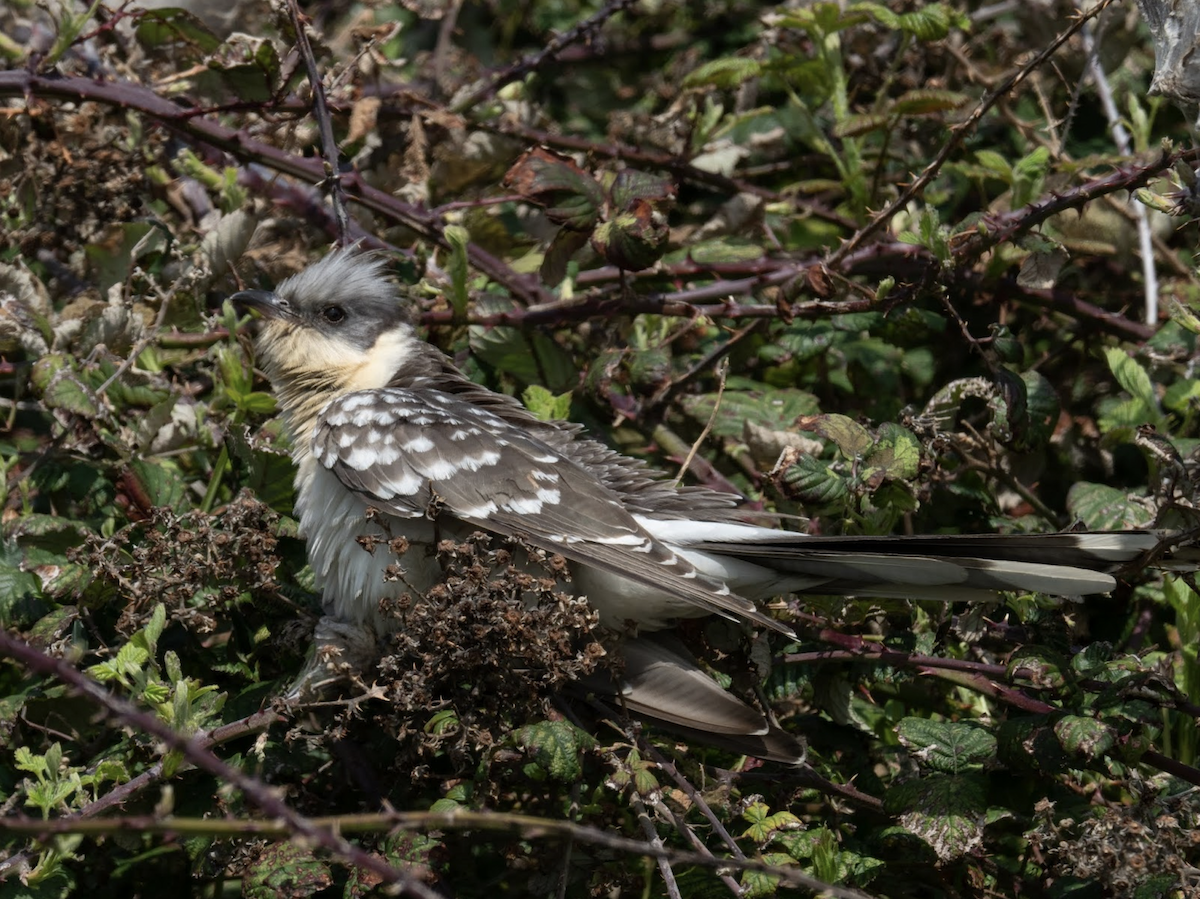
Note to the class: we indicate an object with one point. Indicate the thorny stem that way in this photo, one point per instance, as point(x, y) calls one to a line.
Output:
point(958, 134)
point(535, 61)
point(196, 751)
point(329, 147)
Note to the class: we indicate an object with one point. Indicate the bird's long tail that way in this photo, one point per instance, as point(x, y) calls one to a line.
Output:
point(946, 567)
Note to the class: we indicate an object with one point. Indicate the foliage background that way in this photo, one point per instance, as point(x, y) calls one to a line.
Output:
point(691, 225)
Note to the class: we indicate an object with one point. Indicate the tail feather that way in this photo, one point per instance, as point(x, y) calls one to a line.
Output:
point(1062, 564)
point(662, 683)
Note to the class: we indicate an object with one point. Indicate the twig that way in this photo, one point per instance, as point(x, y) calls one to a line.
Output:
point(329, 147)
point(972, 675)
point(531, 63)
point(678, 167)
point(195, 751)
point(1121, 139)
point(722, 371)
point(192, 124)
point(652, 837)
point(524, 826)
point(251, 724)
point(957, 135)
point(693, 796)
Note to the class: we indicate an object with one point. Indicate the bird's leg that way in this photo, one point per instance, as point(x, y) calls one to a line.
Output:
point(342, 650)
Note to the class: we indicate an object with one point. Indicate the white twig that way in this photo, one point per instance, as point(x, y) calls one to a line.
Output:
point(1121, 139)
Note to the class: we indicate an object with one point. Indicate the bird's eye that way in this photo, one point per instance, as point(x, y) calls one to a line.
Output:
point(335, 315)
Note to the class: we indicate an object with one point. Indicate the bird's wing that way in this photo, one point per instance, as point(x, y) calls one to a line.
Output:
point(659, 680)
point(421, 452)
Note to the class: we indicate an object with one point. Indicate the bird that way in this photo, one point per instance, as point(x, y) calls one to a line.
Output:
point(390, 438)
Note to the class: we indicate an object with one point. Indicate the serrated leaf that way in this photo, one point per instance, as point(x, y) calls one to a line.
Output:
point(268, 472)
point(763, 823)
point(931, 22)
point(545, 405)
point(630, 185)
point(996, 164)
point(176, 32)
point(861, 123)
point(635, 239)
point(19, 595)
point(556, 746)
point(1131, 376)
point(1039, 271)
point(1042, 409)
point(530, 356)
point(1104, 508)
point(61, 387)
point(896, 451)
point(160, 484)
point(723, 73)
point(565, 244)
point(1183, 314)
point(926, 100)
point(1037, 665)
point(250, 73)
point(770, 408)
point(1029, 174)
point(1085, 737)
point(816, 482)
point(458, 237)
point(851, 438)
point(286, 871)
point(725, 251)
point(570, 196)
point(946, 811)
point(946, 746)
point(943, 407)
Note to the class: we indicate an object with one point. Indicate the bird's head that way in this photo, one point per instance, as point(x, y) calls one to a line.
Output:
point(337, 326)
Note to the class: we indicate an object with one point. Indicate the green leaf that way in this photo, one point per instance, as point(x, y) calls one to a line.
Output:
point(458, 238)
point(565, 244)
point(770, 408)
point(851, 438)
point(723, 73)
point(928, 100)
point(545, 405)
point(896, 452)
point(556, 746)
point(177, 33)
point(763, 823)
point(20, 592)
point(570, 196)
point(630, 186)
point(1040, 667)
point(1131, 376)
point(946, 811)
point(932, 22)
point(1084, 737)
point(725, 251)
point(1104, 508)
point(529, 356)
point(948, 747)
point(1184, 314)
point(1042, 409)
point(160, 483)
point(250, 70)
point(996, 164)
point(635, 239)
point(1029, 174)
point(61, 387)
point(816, 482)
point(862, 123)
point(286, 869)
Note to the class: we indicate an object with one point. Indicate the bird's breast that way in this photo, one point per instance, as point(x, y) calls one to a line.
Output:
point(350, 553)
